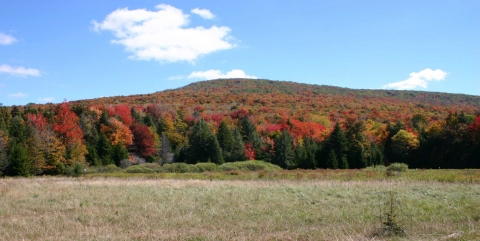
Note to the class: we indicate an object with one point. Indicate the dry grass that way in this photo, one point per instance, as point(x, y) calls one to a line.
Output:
point(55, 208)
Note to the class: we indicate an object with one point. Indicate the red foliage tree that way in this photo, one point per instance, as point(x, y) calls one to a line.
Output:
point(249, 151)
point(143, 140)
point(123, 111)
point(66, 125)
point(37, 121)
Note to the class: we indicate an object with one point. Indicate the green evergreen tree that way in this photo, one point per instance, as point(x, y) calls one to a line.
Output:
point(331, 159)
point(337, 143)
point(204, 146)
point(284, 154)
point(3, 154)
point(5, 118)
point(226, 140)
point(92, 156)
point(18, 129)
point(104, 150)
point(119, 152)
point(309, 160)
point(357, 143)
point(238, 150)
point(19, 160)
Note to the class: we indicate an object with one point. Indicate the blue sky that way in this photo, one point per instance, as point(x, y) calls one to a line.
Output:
point(56, 50)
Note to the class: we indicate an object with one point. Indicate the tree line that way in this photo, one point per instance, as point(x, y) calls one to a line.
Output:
point(35, 141)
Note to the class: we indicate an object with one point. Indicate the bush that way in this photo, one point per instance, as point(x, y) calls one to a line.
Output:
point(138, 169)
point(395, 169)
point(78, 170)
point(228, 167)
point(206, 167)
point(398, 167)
point(178, 167)
point(379, 168)
point(125, 163)
point(249, 166)
point(110, 168)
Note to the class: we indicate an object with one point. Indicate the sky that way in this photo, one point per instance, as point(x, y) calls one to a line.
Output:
point(51, 51)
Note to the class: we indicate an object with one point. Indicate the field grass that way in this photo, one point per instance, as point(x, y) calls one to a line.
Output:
point(99, 208)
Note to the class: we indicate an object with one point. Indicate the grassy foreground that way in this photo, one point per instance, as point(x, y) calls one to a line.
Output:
point(60, 208)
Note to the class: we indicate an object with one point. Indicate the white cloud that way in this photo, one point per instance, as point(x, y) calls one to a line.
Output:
point(418, 79)
point(176, 77)
point(17, 95)
point(163, 35)
point(217, 74)
point(21, 71)
point(7, 39)
point(46, 99)
point(204, 13)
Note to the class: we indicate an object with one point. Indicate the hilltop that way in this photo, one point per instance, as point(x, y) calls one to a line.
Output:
point(223, 95)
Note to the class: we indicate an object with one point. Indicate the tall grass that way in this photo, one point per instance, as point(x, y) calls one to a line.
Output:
point(54, 208)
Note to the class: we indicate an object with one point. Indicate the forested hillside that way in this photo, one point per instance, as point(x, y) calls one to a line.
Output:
point(289, 124)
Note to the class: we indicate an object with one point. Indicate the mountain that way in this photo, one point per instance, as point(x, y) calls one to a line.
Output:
point(299, 100)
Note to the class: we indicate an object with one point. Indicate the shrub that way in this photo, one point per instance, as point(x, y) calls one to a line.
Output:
point(138, 169)
point(398, 167)
point(206, 167)
point(395, 169)
point(178, 167)
point(378, 168)
point(78, 170)
point(110, 168)
point(125, 163)
point(249, 166)
point(228, 167)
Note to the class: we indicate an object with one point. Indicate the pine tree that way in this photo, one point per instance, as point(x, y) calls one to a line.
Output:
point(119, 153)
point(332, 161)
point(19, 160)
point(337, 143)
point(226, 140)
point(3, 153)
point(284, 154)
point(310, 148)
point(238, 150)
point(104, 150)
point(203, 145)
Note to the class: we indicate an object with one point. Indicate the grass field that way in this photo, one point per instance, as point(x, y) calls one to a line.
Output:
point(135, 208)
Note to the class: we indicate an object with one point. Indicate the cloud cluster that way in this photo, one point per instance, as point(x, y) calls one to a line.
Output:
point(19, 71)
point(17, 95)
point(46, 99)
point(7, 39)
point(204, 13)
point(418, 79)
point(217, 74)
point(164, 35)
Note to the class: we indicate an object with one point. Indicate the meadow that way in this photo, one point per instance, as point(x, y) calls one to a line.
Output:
point(276, 205)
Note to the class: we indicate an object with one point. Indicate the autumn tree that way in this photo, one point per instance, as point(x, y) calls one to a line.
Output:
point(124, 114)
point(117, 132)
point(143, 140)
point(67, 127)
